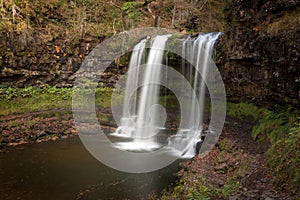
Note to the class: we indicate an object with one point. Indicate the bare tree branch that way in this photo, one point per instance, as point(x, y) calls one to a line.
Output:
point(202, 6)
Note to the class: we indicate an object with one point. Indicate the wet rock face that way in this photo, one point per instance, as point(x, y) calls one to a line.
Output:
point(262, 43)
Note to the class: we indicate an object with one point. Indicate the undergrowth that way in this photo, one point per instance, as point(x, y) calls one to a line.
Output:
point(243, 110)
point(29, 99)
point(281, 129)
point(284, 158)
point(192, 186)
point(199, 189)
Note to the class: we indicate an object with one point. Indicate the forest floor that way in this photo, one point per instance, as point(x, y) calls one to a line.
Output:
point(234, 169)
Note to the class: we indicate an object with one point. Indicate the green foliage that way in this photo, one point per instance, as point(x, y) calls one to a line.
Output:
point(10, 93)
point(28, 99)
point(242, 110)
point(103, 97)
point(18, 100)
point(284, 158)
point(225, 145)
point(273, 126)
point(229, 188)
point(270, 125)
point(200, 189)
point(131, 11)
point(169, 101)
point(185, 191)
point(281, 128)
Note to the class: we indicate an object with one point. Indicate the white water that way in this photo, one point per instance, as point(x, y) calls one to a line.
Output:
point(127, 124)
point(147, 119)
point(200, 51)
point(143, 122)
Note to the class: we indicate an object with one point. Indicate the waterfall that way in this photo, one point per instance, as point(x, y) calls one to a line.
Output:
point(199, 51)
point(127, 123)
point(147, 123)
point(142, 121)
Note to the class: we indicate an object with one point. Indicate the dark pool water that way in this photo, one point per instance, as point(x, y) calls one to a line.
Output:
point(65, 170)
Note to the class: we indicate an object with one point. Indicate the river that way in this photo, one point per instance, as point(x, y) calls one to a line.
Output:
point(63, 169)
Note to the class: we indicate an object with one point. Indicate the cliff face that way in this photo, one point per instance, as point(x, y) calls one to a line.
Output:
point(262, 43)
point(40, 57)
point(261, 47)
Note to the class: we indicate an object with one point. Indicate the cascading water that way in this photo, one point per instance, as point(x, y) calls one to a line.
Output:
point(199, 50)
point(142, 123)
point(147, 127)
point(127, 125)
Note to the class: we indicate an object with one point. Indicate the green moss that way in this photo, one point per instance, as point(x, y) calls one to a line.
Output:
point(103, 97)
point(29, 99)
point(20, 100)
point(14, 124)
point(102, 117)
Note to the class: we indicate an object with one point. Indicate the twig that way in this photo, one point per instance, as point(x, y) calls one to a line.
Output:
point(202, 6)
point(114, 29)
point(173, 13)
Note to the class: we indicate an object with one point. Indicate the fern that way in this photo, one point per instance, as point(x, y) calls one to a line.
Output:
point(284, 158)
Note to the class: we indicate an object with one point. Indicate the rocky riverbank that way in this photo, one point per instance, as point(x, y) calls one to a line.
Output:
point(41, 126)
point(36, 127)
